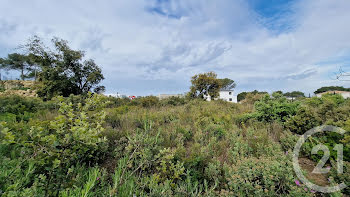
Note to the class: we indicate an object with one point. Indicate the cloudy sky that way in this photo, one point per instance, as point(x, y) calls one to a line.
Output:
point(154, 46)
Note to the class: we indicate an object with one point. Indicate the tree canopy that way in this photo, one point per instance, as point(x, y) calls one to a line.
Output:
point(227, 84)
point(294, 94)
point(61, 70)
point(331, 88)
point(241, 96)
point(19, 62)
point(205, 84)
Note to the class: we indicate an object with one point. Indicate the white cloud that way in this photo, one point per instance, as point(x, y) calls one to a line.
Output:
point(148, 48)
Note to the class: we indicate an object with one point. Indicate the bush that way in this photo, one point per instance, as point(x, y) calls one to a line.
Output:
point(305, 119)
point(342, 178)
point(277, 108)
point(173, 101)
point(171, 147)
point(53, 147)
point(264, 176)
point(113, 102)
point(147, 101)
point(22, 108)
point(18, 105)
point(2, 86)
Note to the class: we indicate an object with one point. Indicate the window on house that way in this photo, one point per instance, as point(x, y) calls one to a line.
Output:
point(229, 93)
point(230, 99)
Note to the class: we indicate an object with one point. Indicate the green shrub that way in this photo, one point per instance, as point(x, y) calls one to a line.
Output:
point(167, 168)
point(22, 107)
point(8, 117)
point(113, 102)
point(341, 178)
point(147, 101)
point(304, 120)
point(113, 118)
point(54, 146)
point(173, 101)
point(264, 176)
point(171, 147)
point(276, 108)
point(288, 140)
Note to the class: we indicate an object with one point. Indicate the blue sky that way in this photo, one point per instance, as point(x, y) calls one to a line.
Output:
point(271, 8)
point(154, 46)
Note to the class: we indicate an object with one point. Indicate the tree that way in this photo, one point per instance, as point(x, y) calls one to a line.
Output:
point(62, 70)
point(22, 63)
point(331, 88)
point(1, 67)
point(227, 84)
point(278, 91)
point(294, 94)
point(205, 84)
point(241, 96)
point(99, 89)
point(274, 108)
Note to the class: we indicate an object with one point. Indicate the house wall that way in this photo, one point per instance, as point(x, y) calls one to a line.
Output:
point(346, 94)
point(224, 95)
point(228, 96)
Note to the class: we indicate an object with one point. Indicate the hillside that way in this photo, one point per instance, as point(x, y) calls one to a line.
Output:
point(104, 146)
point(17, 87)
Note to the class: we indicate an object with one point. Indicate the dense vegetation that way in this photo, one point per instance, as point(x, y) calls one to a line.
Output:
point(241, 96)
point(70, 142)
point(102, 146)
point(208, 85)
point(331, 88)
point(294, 94)
point(59, 70)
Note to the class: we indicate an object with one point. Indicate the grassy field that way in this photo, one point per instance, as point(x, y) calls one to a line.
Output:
point(100, 146)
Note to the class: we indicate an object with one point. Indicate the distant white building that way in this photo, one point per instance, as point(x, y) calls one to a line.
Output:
point(226, 95)
point(345, 94)
point(117, 95)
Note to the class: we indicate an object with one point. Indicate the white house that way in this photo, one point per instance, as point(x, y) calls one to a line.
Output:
point(226, 95)
point(345, 94)
point(117, 95)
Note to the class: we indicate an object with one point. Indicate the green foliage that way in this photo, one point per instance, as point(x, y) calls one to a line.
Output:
point(227, 84)
point(22, 63)
point(341, 178)
point(329, 109)
point(73, 137)
point(167, 169)
point(264, 176)
point(113, 102)
point(173, 101)
point(304, 120)
point(331, 88)
point(294, 94)
point(16, 108)
point(241, 96)
point(147, 101)
point(275, 108)
point(2, 86)
point(62, 69)
point(205, 84)
point(171, 147)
